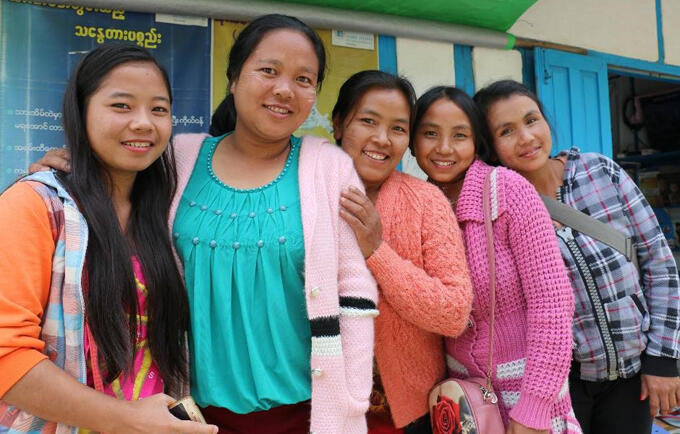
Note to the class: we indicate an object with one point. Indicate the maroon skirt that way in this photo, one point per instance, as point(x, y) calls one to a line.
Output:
point(285, 419)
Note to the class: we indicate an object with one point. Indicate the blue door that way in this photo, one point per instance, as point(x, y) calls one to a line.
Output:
point(575, 91)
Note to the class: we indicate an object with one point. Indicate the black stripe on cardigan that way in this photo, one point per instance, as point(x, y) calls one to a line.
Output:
point(357, 303)
point(325, 326)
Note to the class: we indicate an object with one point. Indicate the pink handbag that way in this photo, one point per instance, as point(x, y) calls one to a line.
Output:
point(470, 406)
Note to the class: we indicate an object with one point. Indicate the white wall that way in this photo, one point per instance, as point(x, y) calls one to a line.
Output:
point(425, 64)
point(621, 27)
point(489, 65)
point(671, 30)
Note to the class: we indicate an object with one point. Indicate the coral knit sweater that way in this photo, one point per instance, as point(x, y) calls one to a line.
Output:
point(424, 291)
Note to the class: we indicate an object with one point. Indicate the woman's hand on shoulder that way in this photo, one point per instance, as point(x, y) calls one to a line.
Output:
point(151, 415)
point(517, 428)
point(360, 214)
point(59, 159)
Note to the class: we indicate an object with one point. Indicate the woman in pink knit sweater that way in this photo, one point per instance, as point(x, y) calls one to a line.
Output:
point(534, 301)
point(412, 245)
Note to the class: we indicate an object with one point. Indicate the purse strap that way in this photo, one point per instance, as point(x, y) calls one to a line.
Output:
point(491, 253)
point(592, 227)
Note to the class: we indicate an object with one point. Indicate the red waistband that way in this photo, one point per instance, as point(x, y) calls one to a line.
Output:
point(284, 419)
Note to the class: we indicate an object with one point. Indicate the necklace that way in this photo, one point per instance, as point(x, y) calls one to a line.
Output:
point(445, 189)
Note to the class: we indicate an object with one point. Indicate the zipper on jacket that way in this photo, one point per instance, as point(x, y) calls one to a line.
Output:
point(567, 235)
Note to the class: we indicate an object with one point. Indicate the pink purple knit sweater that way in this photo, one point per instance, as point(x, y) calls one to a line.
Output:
point(424, 291)
point(534, 304)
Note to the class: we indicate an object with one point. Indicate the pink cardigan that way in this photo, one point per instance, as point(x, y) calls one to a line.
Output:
point(425, 291)
point(534, 304)
point(341, 293)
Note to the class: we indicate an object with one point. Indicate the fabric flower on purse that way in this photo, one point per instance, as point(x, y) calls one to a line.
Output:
point(446, 417)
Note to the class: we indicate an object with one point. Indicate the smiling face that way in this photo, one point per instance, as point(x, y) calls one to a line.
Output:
point(444, 142)
point(276, 88)
point(521, 135)
point(375, 134)
point(128, 118)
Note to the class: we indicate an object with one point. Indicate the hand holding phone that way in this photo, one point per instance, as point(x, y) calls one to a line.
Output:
point(186, 409)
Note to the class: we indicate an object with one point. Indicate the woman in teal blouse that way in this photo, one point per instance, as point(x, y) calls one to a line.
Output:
point(251, 336)
point(281, 301)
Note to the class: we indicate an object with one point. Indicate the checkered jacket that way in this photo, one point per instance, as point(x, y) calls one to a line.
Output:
point(623, 319)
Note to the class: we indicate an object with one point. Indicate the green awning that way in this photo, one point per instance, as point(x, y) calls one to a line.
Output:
point(491, 14)
point(467, 22)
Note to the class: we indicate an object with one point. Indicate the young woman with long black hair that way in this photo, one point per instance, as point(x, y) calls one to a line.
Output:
point(89, 292)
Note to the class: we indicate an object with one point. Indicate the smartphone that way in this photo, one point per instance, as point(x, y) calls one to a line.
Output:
point(186, 409)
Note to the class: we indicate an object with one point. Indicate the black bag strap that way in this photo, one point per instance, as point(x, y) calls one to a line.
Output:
point(592, 227)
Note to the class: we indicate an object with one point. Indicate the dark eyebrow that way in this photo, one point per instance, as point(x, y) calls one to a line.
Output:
point(428, 124)
point(497, 127)
point(529, 113)
point(129, 95)
point(455, 127)
point(368, 111)
point(120, 95)
point(461, 127)
point(278, 63)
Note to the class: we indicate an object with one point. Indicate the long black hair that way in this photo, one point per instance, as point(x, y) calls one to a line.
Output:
point(111, 303)
point(358, 84)
point(500, 90)
point(224, 118)
point(480, 131)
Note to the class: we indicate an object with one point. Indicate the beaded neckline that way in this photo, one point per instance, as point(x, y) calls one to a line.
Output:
point(289, 159)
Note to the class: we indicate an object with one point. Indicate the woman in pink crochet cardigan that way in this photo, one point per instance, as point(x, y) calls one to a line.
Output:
point(412, 245)
point(534, 301)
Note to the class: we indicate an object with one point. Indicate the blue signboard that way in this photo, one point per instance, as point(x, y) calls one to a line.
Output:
point(41, 42)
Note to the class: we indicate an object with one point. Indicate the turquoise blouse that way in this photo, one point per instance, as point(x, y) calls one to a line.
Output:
point(243, 256)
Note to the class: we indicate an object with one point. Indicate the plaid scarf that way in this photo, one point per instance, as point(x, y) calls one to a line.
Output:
point(63, 320)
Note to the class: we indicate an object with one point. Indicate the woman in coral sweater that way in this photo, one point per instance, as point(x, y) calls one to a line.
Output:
point(412, 245)
point(534, 301)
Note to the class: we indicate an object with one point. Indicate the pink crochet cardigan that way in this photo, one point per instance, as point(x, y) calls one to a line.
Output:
point(534, 304)
point(424, 291)
point(341, 293)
